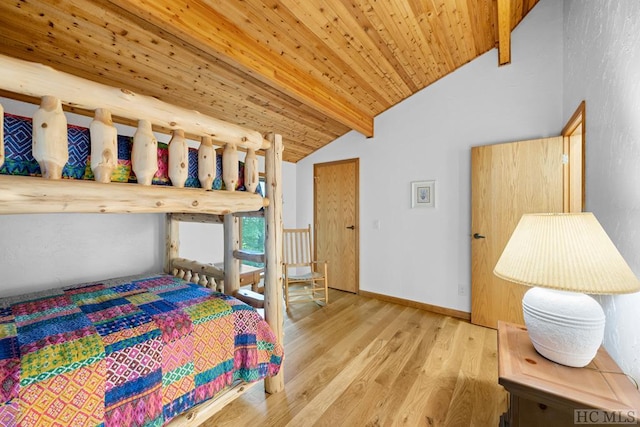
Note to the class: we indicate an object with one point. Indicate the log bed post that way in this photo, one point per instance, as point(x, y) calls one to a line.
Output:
point(231, 263)
point(273, 251)
point(172, 229)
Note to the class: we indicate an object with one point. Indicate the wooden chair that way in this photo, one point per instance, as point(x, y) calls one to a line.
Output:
point(309, 276)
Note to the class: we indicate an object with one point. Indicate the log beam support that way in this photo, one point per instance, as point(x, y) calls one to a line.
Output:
point(23, 194)
point(37, 80)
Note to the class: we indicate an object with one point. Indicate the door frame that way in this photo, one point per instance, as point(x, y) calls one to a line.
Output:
point(575, 127)
point(356, 162)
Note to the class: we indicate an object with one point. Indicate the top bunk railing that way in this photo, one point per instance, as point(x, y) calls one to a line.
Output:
point(50, 149)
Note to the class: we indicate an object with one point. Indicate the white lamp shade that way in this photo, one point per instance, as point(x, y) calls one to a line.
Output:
point(569, 252)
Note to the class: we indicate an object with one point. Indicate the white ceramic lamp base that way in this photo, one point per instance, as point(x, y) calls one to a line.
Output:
point(565, 327)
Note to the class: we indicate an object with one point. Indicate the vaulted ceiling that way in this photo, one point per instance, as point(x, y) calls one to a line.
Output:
point(309, 69)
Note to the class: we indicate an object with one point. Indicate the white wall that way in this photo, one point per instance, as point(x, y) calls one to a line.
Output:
point(602, 66)
point(44, 251)
point(424, 254)
point(50, 250)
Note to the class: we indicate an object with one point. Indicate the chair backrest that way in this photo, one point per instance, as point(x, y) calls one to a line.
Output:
point(297, 246)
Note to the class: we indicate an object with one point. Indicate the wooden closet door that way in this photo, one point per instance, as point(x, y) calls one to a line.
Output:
point(507, 181)
point(336, 222)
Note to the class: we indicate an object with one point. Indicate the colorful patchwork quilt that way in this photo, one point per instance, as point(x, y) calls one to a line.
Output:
point(125, 352)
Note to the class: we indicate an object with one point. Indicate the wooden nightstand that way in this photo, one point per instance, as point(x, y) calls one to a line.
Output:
point(544, 393)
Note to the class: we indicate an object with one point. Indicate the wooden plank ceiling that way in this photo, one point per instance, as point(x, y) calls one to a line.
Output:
point(308, 69)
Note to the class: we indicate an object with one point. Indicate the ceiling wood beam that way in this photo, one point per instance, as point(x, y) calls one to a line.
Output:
point(504, 32)
point(210, 32)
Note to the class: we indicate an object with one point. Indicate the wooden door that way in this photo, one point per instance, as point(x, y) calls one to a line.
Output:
point(507, 181)
point(336, 221)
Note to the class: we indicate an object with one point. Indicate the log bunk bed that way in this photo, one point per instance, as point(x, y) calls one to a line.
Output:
point(47, 194)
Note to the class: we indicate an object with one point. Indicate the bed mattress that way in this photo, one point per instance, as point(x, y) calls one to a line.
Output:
point(132, 351)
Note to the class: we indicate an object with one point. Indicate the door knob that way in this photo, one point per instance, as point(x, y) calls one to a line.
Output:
point(351, 227)
point(478, 236)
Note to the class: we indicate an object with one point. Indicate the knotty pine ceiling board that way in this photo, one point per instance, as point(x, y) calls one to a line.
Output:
point(370, 53)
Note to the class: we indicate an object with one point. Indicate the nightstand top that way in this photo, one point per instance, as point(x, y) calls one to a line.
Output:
point(524, 372)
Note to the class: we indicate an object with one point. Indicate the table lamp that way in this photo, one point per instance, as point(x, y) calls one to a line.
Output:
point(564, 256)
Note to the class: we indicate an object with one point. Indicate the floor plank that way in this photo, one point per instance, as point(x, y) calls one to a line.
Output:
point(364, 362)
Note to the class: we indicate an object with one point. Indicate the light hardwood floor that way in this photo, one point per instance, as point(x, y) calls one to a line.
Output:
point(364, 362)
